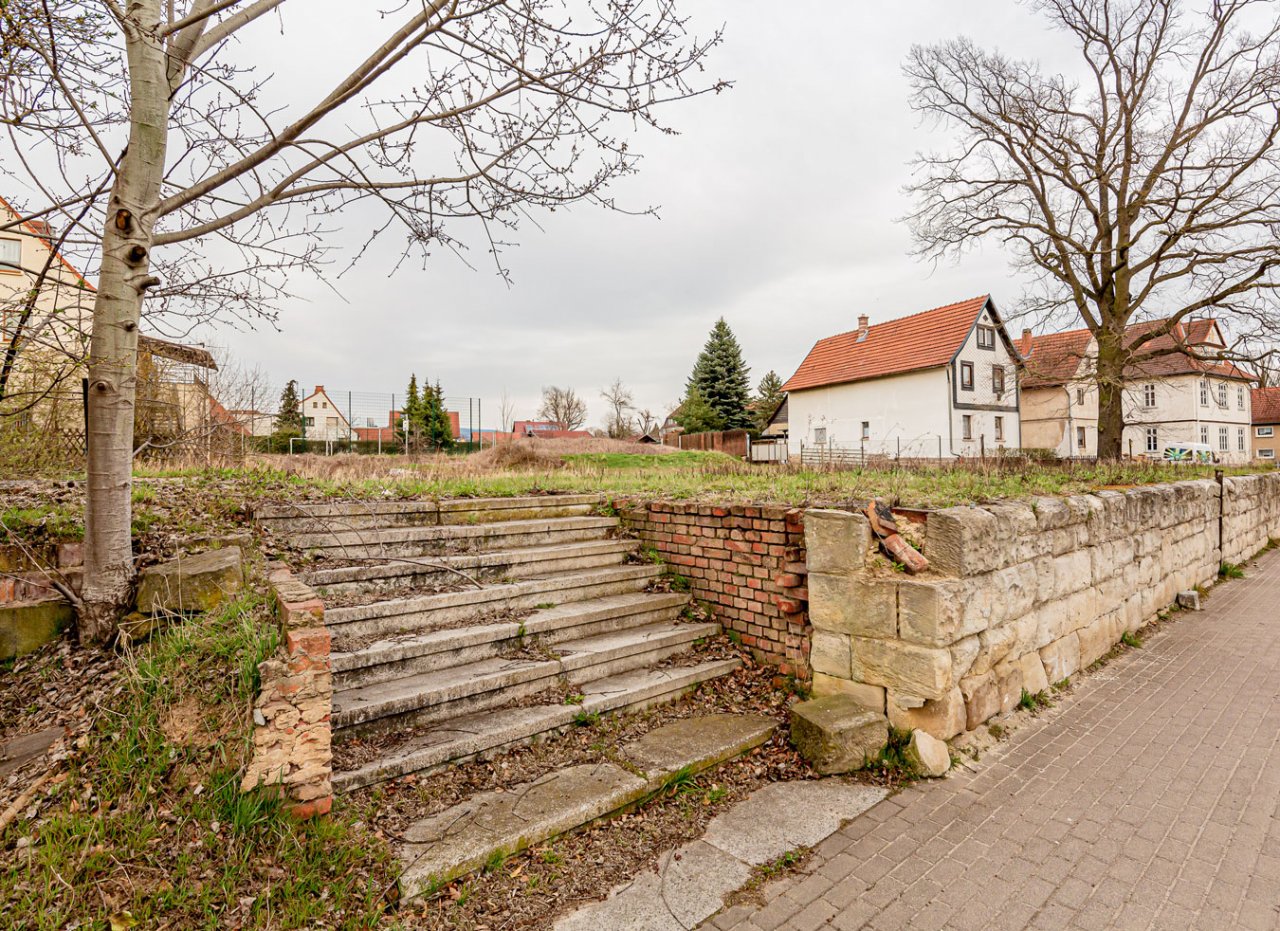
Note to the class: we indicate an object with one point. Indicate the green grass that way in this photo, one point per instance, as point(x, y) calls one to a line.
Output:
point(51, 522)
point(1130, 639)
point(1231, 570)
point(150, 825)
point(1034, 701)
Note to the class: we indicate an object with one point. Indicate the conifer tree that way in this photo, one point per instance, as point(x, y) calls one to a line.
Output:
point(437, 427)
point(768, 397)
point(289, 417)
point(721, 377)
point(410, 426)
point(696, 415)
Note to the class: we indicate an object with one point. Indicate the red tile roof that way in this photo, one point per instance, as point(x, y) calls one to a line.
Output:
point(40, 229)
point(1054, 358)
point(921, 341)
point(1266, 405)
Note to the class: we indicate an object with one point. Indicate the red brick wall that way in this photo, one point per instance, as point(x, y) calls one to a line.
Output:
point(748, 562)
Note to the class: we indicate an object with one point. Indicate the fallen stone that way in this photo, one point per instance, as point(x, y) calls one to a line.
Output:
point(928, 755)
point(694, 744)
point(1189, 600)
point(836, 734)
point(26, 626)
point(191, 584)
point(19, 751)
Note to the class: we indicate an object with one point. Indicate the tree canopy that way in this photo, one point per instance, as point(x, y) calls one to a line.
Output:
point(721, 380)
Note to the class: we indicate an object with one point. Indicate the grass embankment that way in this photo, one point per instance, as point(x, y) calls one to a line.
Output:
point(711, 477)
point(145, 824)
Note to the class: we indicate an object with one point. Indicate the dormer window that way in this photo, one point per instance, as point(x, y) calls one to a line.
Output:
point(986, 337)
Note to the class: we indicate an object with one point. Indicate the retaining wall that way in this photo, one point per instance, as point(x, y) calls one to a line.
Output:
point(747, 562)
point(1017, 596)
point(292, 734)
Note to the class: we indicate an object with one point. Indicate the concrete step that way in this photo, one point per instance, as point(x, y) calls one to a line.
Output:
point(460, 839)
point(447, 693)
point(520, 563)
point(484, 733)
point(329, 516)
point(425, 541)
point(405, 656)
point(425, 612)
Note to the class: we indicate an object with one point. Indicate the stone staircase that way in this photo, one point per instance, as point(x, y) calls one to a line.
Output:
point(464, 627)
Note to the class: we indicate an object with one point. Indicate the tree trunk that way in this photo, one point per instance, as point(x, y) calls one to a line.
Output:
point(1110, 378)
point(113, 348)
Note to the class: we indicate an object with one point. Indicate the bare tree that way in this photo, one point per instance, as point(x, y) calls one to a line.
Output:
point(506, 412)
point(562, 406)
point(1150, 191)
point(648, 421)
point(618, 422)
point(190, 196)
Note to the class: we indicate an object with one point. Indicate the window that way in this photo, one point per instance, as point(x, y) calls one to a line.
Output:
point(1222, 394)
point(999, 429)
point(1240, 397)
point(866, 430)
point(820, 435)
point(1079, 395)
point(315, 405)
point(967, 421)
point(1240, 440)
point(11, 253)
point(1266, 454)
point(324, 404)
point(1222, 439)
point(331, 422)
point(986, 337)
point(997, 379)
point(311, 421)
point(1080, 438)
point(1204, 435)
point(1266, 431)
point(1204, 393)
point(1148, 395)
point(1153, 439)
point(966, 376)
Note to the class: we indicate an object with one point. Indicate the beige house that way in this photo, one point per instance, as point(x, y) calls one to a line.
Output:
point(1180, 395)
point(1266, 423)
point(322, 419)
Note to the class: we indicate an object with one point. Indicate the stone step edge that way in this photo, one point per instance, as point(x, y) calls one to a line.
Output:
point(466, 685)
point(475, 597)
point(542, 622)
point(627, 691)
point(604, 790)
point(396, 566)
point(307, 509)
point(430, 533)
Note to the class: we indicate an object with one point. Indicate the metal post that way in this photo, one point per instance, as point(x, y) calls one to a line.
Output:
point(350, 422)
point(939, 448)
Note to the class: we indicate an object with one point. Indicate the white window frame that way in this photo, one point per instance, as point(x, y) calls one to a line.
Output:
point(1240, 440)
point(1153, 439)
point(1204, 392)
point(1240, 397)
point(999, 428)
point(1224, 439)
point(14, 262)
point(866, 430)
point(966, 426)
point(1222, 394)
point(1265, 431)
point(1149, 395)
point(1204, 434)
point(1080, 396)
point(1082, 438)
point(1266, 453)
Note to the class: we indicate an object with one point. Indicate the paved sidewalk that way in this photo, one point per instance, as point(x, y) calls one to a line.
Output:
point(1147, 799)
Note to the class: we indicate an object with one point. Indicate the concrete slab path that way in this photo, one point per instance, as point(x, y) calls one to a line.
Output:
point(1146, 800)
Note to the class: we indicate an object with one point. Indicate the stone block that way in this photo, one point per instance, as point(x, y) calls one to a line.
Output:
point(1061, 658)
point(191, 584)
point(1009, 681)
point(915, 670)
point(944, 717)
point(959, 541)
point(853, 606)
point(26, 626)
point(981, 698)
point(829, 654)
point(994, 646)
point(1097, 639)
point(930, 613)
point(1034, 679)
point(1189, 600)
point(963, 653)
point(869, 696)
point(927, 755)
point(837, 542)
point(836, 734)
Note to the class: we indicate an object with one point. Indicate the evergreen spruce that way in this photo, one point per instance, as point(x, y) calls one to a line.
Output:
point(768, 396)
point(289, 417)
point(437, 428)
point(696, 415)
point(410, 426)
point(721, 377)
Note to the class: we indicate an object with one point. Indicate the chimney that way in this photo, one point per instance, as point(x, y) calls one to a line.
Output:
point(864, 324)
point(319, 388)
point(1027, 338)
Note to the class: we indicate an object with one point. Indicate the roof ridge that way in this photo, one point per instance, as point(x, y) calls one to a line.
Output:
point(918, 313)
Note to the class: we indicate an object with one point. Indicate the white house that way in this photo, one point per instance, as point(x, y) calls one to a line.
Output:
point(322, 419)
point(938, 384)
point(1175, 392)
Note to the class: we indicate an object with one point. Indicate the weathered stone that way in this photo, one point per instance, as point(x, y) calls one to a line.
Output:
point(981, 698)
point(963, 653)
point(943, 718)
point(1009, 682)
point(829, 654)
point(1189, 600)
point(1034, 679)
point(836, 734)
point(1061, 658)
point(930, 613)
point(960, 541)
point(871, 697)
point(191, 583)
point(26, 626)
point(1097, 639)
point(996, 644)
point(692, 745)
point(927, 755)
point(853, 606)
point(836, 542)
point(912, 669)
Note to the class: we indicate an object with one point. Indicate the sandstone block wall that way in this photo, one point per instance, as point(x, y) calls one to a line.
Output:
point(292, 736)
point(1017, 596)
point(747, 562)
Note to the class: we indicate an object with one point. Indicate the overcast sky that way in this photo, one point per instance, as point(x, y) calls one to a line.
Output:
point(779, 205)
